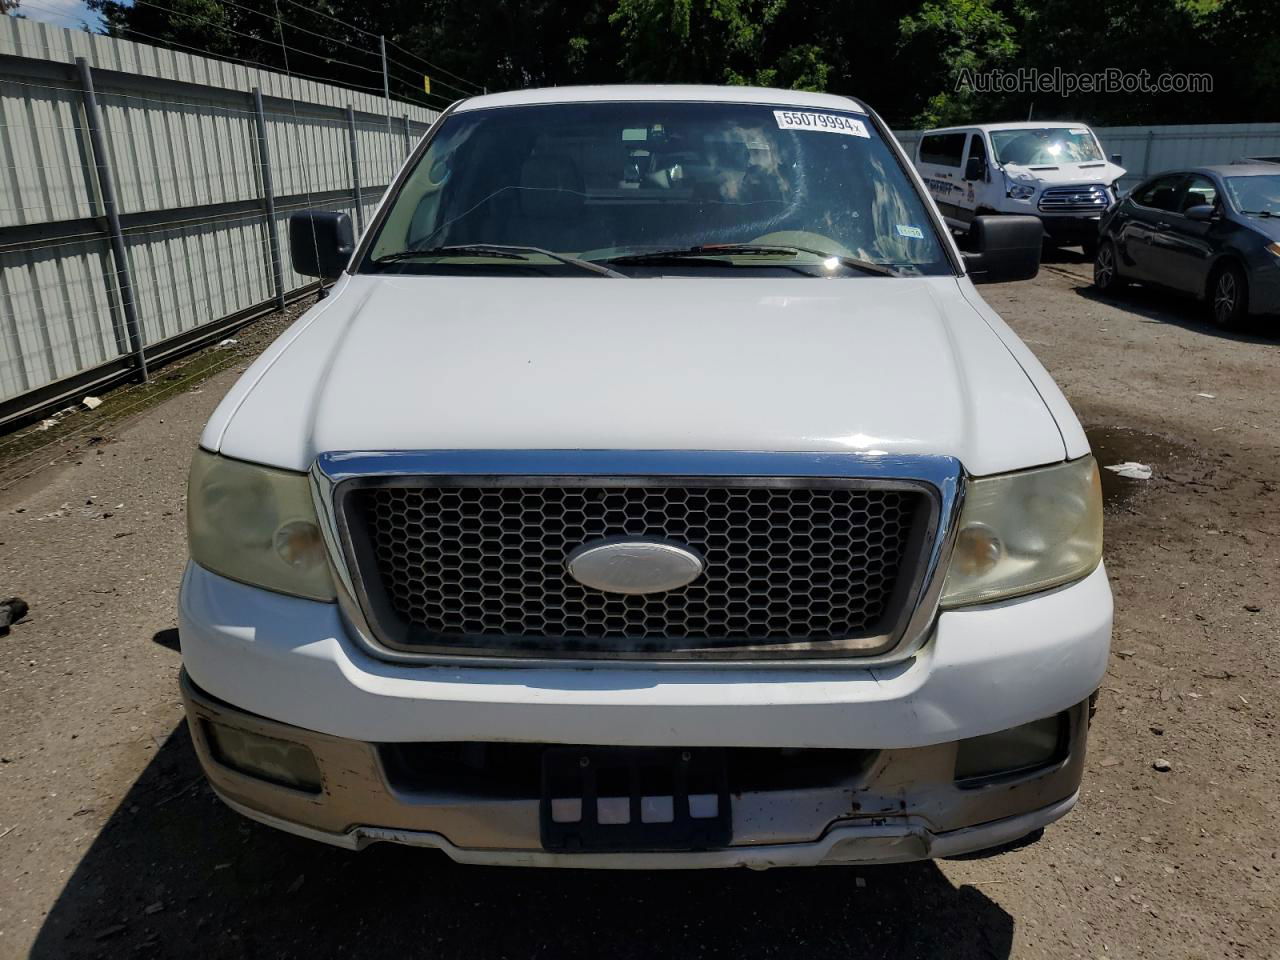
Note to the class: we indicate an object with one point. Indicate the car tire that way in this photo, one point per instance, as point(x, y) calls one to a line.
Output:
point(1228, 297)
point(1106, 269)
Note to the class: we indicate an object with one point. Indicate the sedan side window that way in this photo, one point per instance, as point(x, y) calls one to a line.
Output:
point(1160, 193)
point(1200, 192)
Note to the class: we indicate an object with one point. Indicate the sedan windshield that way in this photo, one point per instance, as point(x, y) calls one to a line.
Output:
point(1045, 146)
point(1258, 194)
point(648, 189)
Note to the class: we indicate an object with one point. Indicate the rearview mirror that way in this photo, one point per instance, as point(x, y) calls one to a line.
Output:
point(320, 243)
point(1004, 249)
point(1203, 212)
point(975, 168)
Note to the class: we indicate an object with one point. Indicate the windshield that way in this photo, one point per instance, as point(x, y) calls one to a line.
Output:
point(1045, 146)
point(1258, 194)
point(606, 182)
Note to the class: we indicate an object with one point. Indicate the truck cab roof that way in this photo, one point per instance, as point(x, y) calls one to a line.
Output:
point(661, 92)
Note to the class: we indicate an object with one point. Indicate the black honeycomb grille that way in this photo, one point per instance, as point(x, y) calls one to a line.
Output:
point(485, 565)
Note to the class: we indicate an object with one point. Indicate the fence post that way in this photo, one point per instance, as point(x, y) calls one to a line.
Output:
point(1146, 154)
point(408, 137)
point(355, 167)
point(386, 97)
point(269, 197)
point(106, 188)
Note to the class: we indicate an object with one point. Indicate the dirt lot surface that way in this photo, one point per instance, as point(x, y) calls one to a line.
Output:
point(111, 845)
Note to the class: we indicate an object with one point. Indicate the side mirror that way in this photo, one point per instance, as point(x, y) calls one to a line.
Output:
point(1117, 159)
point(975, 168)
point(1202, 212)
point(320, 243)
point(1004, 248)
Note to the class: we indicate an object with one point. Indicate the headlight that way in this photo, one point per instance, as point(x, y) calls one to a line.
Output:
point(1026, 531)
point(1274, 248)
point(1019, 191)
point(256, 525)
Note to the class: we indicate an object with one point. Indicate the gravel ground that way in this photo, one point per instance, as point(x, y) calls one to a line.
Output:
point(110, 844)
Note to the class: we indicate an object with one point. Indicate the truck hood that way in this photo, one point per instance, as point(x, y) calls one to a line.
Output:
point(874, 365)
point(1094, 171)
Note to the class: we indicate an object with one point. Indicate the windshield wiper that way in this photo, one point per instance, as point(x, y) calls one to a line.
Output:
point(1258, 213)
point(709, 250)
point(500, 250)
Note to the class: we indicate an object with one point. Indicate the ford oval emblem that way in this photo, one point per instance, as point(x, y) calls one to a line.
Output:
point(634, 565)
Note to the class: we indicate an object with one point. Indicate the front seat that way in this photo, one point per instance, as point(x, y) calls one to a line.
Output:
point(551, 202)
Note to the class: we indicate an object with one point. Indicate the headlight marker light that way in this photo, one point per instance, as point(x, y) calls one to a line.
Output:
point(1024, 532)
point(257, 525)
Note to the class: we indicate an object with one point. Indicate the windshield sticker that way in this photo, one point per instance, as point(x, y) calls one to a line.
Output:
point(822, 122)
point(915, 233)
point(1080, 132)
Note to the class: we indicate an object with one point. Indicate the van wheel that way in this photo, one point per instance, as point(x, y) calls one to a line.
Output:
point(1106, 273)
point(1228, 297)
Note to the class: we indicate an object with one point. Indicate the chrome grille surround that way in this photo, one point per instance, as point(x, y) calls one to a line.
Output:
point(935, 484)
point(1085, 198)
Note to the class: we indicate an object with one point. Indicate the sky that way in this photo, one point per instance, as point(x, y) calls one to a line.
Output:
point(63, 13)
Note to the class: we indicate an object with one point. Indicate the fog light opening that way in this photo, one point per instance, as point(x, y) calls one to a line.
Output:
point(1013, 752)
point(280, 762)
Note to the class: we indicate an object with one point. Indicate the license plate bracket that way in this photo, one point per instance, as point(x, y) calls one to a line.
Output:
point(633, 799)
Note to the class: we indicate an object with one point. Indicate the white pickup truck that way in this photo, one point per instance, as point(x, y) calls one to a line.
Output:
point(652, 488)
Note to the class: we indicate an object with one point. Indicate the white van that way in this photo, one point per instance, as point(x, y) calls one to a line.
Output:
point(1055, 171)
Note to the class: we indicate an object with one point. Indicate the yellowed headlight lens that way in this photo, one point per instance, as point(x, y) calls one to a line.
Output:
point(1028, 531)
point(256, 525)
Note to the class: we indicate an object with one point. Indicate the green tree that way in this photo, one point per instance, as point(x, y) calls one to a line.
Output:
point(942, 40)
point(694, 41)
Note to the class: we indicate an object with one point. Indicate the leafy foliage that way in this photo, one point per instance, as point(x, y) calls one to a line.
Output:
point(904, 56)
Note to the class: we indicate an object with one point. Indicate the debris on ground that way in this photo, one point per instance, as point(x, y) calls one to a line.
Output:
point(1131, 469)
point(93, 403)
point(1253, 608)
point(1208, 396)
point(11, 611)
point(229, 342)
point(47, 425)
point(1161, 764)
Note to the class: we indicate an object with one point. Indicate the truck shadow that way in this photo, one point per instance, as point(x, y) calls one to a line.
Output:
point(174, 873)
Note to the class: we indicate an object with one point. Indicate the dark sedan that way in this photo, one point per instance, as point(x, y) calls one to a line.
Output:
point(1211, 232)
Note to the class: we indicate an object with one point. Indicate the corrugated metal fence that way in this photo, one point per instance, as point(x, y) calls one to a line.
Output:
point(207, 160)
point(1148, 150)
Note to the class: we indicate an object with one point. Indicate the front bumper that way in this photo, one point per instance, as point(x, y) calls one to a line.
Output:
point(983, 669)
point(889, 807)
point(286, 668)
point(1067, 228)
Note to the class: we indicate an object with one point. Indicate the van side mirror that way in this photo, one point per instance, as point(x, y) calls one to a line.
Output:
point(320, 243)
point(975, 168)
point(1117, 159)
point(1202, 212)
point(1004, 248)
